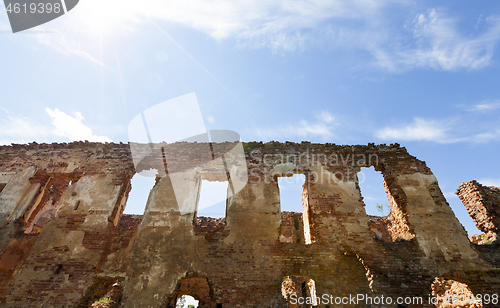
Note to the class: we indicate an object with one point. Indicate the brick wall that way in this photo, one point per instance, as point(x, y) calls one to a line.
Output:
point(240, 260)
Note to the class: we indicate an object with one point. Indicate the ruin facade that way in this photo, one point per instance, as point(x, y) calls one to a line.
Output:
point(64, 241)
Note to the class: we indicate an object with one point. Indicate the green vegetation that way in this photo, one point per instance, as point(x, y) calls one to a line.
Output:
point(181, 302)
point(104, 299)
point(382, 208)
point(485, 237)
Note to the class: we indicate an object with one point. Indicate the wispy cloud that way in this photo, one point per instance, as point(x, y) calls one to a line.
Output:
point(450, 195)
point(483, 106)
point(432, 39)
point(438, 44)
point(419, 130)
point(489, 182)
point(440, 131)
point(493, 135)
point(63, 127)
point(18, 129)
point(279, 25)
point(323, 126)
point(326, 117)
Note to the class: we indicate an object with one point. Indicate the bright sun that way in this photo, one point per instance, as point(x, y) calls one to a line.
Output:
point(106, 17)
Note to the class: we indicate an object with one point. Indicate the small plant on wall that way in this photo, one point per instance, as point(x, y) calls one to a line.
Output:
point(382, 208)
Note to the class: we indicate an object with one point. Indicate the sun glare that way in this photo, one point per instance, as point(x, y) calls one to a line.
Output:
point(106, 18)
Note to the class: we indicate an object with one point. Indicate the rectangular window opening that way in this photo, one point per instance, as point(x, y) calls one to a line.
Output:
point(141, 186)
point(291, 189)
point(294, 209)
point(387, 220)
point(134, 198)
point(212, 201)
point(371, 184)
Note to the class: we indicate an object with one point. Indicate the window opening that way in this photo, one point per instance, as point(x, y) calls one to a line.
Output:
point(139, 193)
point(213, 199)
point(291, 190)
point(387, 220)
point(371, 184)
point(293, 200)
point(186, 301)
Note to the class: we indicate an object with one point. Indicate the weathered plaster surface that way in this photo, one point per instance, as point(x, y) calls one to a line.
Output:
point(87, 248)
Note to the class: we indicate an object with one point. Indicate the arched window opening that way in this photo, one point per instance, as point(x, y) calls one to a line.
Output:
point(186, 301)
point(193, 291)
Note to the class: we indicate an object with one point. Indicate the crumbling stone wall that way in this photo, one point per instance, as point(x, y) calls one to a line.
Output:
point(82, 238)
point(483, 205)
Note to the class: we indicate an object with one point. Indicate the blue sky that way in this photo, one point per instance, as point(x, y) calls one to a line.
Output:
point(422, 74)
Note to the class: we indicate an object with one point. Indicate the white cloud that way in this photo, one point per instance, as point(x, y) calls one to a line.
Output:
point(449, 195)
point(489, 182)
point(438, 44)
point(486, 136)
point(302, 129)
point(323, 127)
point(18, 129)
point(71, 127)
point(326, 117)
point(64, 127)
point(442, 131)
point(431, 40)
point(260, 19)
point(278, 25)
point(419, 130)
point(484, 106)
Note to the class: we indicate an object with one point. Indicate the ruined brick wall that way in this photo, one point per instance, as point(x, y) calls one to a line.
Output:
point(483, 205)
point(64, 240)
